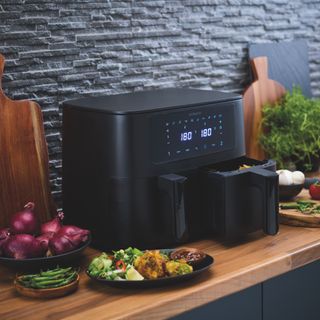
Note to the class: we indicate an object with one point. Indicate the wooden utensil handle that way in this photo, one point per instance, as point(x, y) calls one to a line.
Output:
point(259, 67)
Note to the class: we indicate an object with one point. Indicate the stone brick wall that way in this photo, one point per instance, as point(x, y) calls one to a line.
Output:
point(62, 49)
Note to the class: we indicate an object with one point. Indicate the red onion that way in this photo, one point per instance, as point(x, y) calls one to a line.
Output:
point(23, 246)
point(73, 230)
point(54, 225)
point(4, 236)
point(25, 221)
point(67, 239)
point(44, 239)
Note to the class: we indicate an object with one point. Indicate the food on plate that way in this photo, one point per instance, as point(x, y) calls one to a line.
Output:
point(314, 191)
point(133, 274)
point(48, 279)
point(26, 238)
point(304, 206)
point(134, 264)
point(287, 178)
point(244, 166)
point(176, 268)
point(151, 265)
point(118, 266)
point(191, 256)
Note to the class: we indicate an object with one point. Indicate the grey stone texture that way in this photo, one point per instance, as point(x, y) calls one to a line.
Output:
point(63, 49)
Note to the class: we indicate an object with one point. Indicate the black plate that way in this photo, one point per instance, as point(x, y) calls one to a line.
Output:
point(151, 283)
point(68, 258)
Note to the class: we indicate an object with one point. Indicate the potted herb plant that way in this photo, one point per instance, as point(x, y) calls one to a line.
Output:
point(290, 131)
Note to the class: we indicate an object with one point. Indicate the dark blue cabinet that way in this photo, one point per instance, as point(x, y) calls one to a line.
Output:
point(244, 305)
point(292, 296)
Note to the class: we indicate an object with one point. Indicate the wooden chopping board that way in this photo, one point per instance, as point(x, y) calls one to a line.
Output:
point(293, 217)
point(24, 172)
point(263, 90)
point(288, 63)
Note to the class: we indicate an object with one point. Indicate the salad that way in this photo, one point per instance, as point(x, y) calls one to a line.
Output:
point(134, 264)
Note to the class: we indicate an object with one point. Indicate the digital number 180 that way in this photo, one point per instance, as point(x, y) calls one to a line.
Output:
point(206, 132)
point(186, 136)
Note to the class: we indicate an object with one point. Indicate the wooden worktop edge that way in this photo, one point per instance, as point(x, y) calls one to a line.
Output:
point(232, 283)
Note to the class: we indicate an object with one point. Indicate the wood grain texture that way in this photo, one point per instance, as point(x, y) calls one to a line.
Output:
point(237, 266)
point(24, 172)
point(293, 217)
point(263, 90)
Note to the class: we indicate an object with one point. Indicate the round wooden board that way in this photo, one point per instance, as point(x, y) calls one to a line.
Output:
point(294, 217)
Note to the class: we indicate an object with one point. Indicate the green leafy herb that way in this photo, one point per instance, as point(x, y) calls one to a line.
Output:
point(290, 130)
point(304, 206)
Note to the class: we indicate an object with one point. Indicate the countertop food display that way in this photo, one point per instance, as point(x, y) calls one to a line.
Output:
point(237, 266)
point(135, 268)
point(28, 243)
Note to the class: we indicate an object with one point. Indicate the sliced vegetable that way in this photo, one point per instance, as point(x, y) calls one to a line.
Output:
point(133, 274)
point(120, 265)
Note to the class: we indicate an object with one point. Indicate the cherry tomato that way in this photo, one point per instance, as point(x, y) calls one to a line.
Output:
point(314, 191)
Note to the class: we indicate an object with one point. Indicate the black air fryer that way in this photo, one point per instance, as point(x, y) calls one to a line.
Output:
point(152, 169)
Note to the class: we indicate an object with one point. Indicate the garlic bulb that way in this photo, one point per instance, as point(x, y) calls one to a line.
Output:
point(298, 177)
point(285, 177)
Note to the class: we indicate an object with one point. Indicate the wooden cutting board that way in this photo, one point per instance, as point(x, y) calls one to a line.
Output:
point(263, 90)
point(24, 172)
point(288, 63)
point(293, 217)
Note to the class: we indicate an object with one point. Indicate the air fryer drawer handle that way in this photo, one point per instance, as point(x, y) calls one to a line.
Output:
point(267, 181)
point(174, 186)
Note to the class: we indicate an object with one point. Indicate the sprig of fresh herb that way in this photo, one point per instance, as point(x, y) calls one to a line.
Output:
point(304, 206)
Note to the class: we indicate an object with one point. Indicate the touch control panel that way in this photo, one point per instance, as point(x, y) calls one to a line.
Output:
point(186, 134)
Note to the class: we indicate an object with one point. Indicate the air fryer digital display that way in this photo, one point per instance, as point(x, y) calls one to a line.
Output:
point(199, 131)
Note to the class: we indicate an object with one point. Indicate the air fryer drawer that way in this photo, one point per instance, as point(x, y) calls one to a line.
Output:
point(241, 196)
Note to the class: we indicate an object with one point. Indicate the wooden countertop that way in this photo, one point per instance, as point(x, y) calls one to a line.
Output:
point(237, 266)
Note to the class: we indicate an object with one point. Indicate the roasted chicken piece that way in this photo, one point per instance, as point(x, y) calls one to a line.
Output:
point(151, 265)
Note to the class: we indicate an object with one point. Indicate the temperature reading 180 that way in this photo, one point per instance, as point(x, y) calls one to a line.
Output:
point(206, 132)
point(186, 136)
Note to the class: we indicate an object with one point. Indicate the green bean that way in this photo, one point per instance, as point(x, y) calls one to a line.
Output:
point(28, 276)
point(48, 279)
point(55, 272)
point(45, 282)
point(58, 276)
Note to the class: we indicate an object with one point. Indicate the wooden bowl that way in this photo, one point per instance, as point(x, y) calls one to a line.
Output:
point(47, 293)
